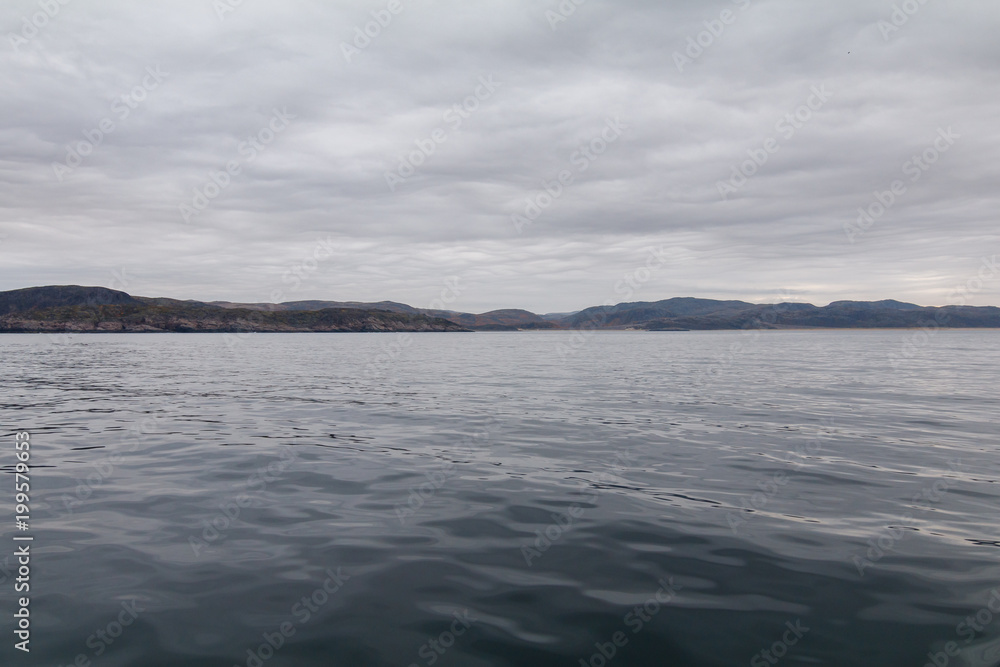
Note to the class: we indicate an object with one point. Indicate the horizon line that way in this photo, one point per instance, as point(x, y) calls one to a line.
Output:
point(568, 312)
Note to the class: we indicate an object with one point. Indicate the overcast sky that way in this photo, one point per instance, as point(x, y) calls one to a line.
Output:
point(322, 203)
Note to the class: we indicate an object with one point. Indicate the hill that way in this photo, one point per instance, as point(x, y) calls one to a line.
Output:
point(497, 320)
point(91, 309)
point(54, 296)
point(96, 309)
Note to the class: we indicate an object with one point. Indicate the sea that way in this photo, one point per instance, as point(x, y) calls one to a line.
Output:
point(614, 498)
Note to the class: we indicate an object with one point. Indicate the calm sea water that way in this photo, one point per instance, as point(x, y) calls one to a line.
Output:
point(689, 499)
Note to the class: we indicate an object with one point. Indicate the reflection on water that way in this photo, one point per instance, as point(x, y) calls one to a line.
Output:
point(649, 499)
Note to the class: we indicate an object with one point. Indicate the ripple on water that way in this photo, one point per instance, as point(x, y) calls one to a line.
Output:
point(546, 500)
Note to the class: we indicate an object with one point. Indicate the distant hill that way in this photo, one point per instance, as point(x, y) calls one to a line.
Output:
point(498, 320)
point(886, 304)
point(96, 309)
point(390, 306)
point(553, 317)
point(55, 296)
point(76, 308)
point(639, 314)
point(837, 315)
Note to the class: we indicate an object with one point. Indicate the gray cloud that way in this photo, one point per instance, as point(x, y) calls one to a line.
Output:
point(323, 177)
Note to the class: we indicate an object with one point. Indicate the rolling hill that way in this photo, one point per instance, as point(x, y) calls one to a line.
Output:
point(96, 309)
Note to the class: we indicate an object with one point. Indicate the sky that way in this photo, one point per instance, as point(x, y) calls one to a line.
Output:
point(529, 154)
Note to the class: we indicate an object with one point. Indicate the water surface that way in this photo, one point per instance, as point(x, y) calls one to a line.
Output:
point(490, 499)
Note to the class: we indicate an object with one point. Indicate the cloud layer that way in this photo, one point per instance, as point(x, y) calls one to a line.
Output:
point(534, 149)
